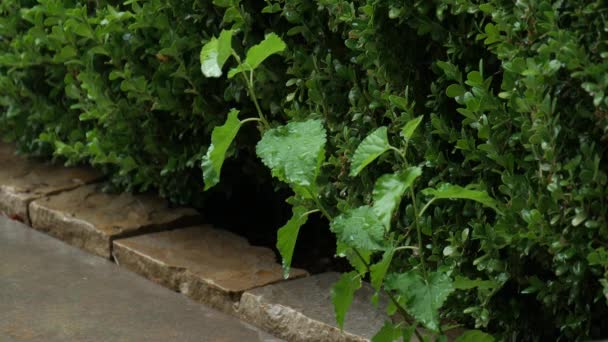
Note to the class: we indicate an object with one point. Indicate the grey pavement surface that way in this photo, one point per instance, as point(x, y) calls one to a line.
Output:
point(50, 291)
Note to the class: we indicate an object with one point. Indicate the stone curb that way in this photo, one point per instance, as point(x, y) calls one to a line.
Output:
point(209, 265)
point(143, 234)
point(23, 181)
point(301, 310)
point(89, 219)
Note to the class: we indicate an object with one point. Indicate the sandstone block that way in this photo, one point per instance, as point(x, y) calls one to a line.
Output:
point(23, 180)
point(301, 310)
point(207, 264)
point(90, 219)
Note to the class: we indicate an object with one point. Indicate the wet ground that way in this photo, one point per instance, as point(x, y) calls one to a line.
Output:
point(50, 291)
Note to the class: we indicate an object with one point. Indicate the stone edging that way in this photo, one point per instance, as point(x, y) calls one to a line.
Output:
point(212, 266)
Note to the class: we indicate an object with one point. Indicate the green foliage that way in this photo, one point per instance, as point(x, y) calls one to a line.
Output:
point(215, 54)
point(475, 336)
point(294, 152)
point(410, 127)
point(389, 190)
point(497, 105)
point(359, 228)
point(373, 146)
point(422, 296)
point(288, 235)
point(343, 293)
point(271, 45)
point(221, 138)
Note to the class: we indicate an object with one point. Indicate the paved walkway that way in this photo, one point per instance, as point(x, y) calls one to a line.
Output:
point(50, 291)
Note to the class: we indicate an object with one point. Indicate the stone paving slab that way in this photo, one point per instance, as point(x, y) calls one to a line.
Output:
point(52, 292)
point(23, 180)
point(90, 219)
point(207, 264)
point(302, 310)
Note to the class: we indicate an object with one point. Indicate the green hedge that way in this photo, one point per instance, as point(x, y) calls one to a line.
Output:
point(457, 148)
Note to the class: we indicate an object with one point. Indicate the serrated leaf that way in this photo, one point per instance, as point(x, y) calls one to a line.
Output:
point(378, 271)
point(450, 191)
point(410, 127)
point(475, 336)
point(257, 54)
point(370, 148)
point(342, 295)
point(388, 333)
point(294, 152)
point(221, 138)
point(389, 190)
point(423, 298)
point(288, 235)
point(359, 228)
point(354, 258)
point(215, 53)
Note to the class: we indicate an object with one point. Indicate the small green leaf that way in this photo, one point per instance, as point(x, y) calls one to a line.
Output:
point(359, 228)
point(388, 333)
point(475, 336)
point(288, 235)
point(215, 53)
point(221, 138)
point(257, 54)
point(410, 127)
point(463, 283)
point(423, 298)
point(389, 190)
point(370, 148)
point(294, 152)
point(378, 271)
point(398, 101)
point(450, 191)
point(455, 90)
point(598, 256)
point(342, 295)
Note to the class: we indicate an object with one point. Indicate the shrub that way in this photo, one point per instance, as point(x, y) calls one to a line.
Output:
point(456, 149)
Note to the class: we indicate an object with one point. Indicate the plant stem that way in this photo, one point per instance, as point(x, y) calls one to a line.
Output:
point(254, 98)
point(406, 247)
point(419, 233)
point(251, 91)
point(399, 153)
point(426, 206)
point(391, 297)
point(250, 120)
point(310, 212)
point(320, 206)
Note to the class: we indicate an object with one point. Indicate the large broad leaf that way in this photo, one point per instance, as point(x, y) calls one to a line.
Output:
point(287, 236)
point(370, 148)
point(423, 298)
point(342, 295)
point(215, 54)
point(294, 152)
point(475, 336)
point(410, 127)
point(221, 138)
point(378, 271)
point(257, 54)
point(457, 192)
point(389, 190)
point(389, 333)
point(358, 259)
point(359, 228)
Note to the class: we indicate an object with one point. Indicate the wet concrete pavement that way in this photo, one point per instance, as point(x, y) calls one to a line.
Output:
point(50, 291)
